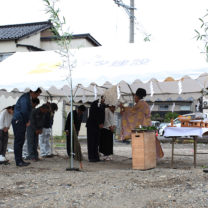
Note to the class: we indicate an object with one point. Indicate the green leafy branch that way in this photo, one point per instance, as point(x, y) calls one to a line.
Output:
point(63, 37)
point(202, 35)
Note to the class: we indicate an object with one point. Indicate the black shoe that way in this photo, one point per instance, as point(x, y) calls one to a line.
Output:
point(47, 156)
point(95, 160)
point(27, 158)
point(27, 163)
point(205, 170)
point(22, 164)
point(5, 162)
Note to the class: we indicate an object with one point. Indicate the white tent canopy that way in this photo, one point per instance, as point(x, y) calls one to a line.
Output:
point(135, 64)
point(100, 64)
point(31, 70)
point(142, 62)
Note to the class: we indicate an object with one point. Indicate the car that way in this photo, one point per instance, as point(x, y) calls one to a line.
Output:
point(161, 128)
point(156, 124)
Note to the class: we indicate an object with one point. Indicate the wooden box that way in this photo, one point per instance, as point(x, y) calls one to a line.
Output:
point(143, 150)
point(202, 124)
point(184, 123)
point(197, 123)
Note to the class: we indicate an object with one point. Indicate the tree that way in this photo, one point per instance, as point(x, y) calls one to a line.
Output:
point(63, 39)
point(169, 116)
point(202, 34)
point(156, 117)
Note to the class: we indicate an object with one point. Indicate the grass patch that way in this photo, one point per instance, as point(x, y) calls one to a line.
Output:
point(60, 145)
point(60, 139)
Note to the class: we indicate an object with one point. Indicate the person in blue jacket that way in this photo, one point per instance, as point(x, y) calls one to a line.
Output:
point(20, 121)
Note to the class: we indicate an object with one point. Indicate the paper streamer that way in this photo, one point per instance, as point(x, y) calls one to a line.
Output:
point(118, 92)
point(173, 107)
point(180, 88)
point(151, 89)
point(95, 92)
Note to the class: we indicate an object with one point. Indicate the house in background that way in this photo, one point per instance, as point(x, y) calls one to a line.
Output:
point(37, 36)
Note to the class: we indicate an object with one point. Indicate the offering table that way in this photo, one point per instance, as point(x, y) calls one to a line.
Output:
point(181, 132)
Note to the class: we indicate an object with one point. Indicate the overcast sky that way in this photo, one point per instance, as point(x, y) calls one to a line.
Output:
point(168, 21)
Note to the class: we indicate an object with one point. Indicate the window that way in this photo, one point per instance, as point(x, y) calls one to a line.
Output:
point(185, 108)
point(163, 107)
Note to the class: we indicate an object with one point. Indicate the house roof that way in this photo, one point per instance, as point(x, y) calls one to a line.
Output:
point(77, 36)
point(17, 31)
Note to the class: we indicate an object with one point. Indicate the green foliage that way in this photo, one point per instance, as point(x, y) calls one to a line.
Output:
point(156, 117)
point(59, 22)
point(63, 37)
point(146, 128)
point(147, 38)
point(202, 33)
point(60, 139)
point(170, 115)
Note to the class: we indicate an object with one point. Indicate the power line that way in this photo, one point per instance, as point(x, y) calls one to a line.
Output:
point(133, 21)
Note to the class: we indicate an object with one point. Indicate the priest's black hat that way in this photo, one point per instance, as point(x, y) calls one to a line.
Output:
point(141, 93)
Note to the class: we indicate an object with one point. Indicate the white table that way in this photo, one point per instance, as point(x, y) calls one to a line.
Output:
point(190, 132)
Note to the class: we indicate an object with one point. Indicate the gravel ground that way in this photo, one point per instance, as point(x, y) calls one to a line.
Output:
point(107, 184)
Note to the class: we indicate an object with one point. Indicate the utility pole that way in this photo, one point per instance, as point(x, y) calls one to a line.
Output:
point(130, 11)
point(132, 17)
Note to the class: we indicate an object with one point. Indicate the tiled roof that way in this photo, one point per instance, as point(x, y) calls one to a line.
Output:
point(13, 32)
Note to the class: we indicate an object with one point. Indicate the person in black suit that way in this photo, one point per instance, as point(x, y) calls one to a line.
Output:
point(95, 122)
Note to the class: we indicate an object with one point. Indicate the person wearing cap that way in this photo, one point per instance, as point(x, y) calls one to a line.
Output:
point(138, 115)
point(94, 124)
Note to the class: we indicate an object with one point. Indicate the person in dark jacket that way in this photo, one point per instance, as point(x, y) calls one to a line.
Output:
point(35, 102)
point(37, 121)
point(77, 120)
point(20, 121)
point(44, 137)
point(95, 122)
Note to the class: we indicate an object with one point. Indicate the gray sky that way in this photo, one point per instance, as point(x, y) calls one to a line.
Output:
point(168, 21)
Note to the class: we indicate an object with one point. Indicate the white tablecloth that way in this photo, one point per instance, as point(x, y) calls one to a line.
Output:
point(184, 131)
